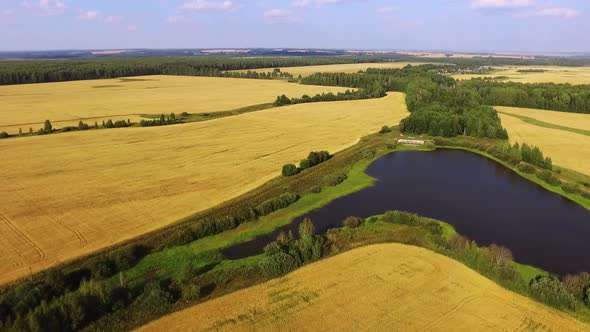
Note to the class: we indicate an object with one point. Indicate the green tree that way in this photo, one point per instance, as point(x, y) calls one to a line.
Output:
point(47, 127)
point(289, 170)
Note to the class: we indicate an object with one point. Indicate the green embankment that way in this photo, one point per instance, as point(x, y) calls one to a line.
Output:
point(206, 251)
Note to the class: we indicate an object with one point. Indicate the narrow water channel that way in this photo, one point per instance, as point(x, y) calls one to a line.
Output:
point(482, 199)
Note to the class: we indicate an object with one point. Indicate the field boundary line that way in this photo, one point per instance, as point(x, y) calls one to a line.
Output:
point(549, 125)
point(42, 254)
point(77, 233)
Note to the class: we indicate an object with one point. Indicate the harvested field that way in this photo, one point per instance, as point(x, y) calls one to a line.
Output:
point(566, 149)
point(387, 287)
point(551, 74)
point(340, 68)
point(572, 120)
point(29, 105)
point(70, 194)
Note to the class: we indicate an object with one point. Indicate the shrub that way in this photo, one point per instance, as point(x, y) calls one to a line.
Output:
point(277, 264)
point(334, 179)
point(352, 222)
point(368, 154)
point(526, 168)
point(385, 130)
point(276, 203)
point(586, 195)
point(434, 227)
point(184, 114)
point(400, 217)
point(551, 291)
point(315, 189)
point(548, 177)
point(391, 146)
point(457, 243)
point(155, 300)
point(304, 164)
point(571, 188)
point(103, 269)
point(289, 170)
point(498, 255)
point(4, 135)
point(576, 284)
point(318, 157)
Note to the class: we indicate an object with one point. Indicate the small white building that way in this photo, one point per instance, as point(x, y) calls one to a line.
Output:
point(410, 141)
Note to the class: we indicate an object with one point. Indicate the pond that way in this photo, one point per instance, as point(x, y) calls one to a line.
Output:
point(482, 199)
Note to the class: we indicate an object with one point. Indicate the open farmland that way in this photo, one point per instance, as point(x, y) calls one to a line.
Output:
point(551, 74)
point(571, 120)
point(339, 68)
point(566, 149)
point(81, 191)
point(381, 287)
point(65, 103)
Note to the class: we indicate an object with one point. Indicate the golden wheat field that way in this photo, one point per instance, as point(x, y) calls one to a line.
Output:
point(552, 74)
point(572, 120)
point(66, 195)
point(386, 287)
point(566, 149)
point(29, 105)
point(339, 68)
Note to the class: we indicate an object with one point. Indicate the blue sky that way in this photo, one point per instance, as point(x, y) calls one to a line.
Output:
point(460, 25)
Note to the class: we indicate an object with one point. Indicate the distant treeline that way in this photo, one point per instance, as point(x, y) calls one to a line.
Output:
point(439, 105)
point(20, 72)
point(377, 91)
point(548, 96)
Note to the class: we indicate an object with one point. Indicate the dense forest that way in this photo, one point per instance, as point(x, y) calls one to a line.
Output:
point(439, 104)
point(548, 96)
point(20, 72)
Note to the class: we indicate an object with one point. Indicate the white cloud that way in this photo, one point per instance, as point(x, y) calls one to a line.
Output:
point(279, 16)
point(556, 12)
point(175, 19)
point(7, 12)
point(89, 15)
point(207, 5)
point(45, 7)
point(387, 10)
point(315, 3)
point(113, 19)
point(501, 4)
point(132, 27)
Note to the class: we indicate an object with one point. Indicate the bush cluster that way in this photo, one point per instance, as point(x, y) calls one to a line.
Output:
point(276, 203)
point(314, 158)
point(352, 222)
point(548, 177)
point(334, 179)
point(287, 253)
point(162, 121)
point(526, 168)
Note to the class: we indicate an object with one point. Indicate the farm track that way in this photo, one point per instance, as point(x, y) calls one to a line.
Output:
point(42, 254)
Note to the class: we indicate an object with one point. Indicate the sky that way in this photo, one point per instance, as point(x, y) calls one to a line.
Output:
point(455, 25)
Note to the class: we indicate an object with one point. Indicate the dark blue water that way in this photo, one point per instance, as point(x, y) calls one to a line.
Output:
point(482, 199)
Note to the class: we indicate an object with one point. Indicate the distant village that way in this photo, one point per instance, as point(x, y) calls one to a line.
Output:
point(466, 70)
